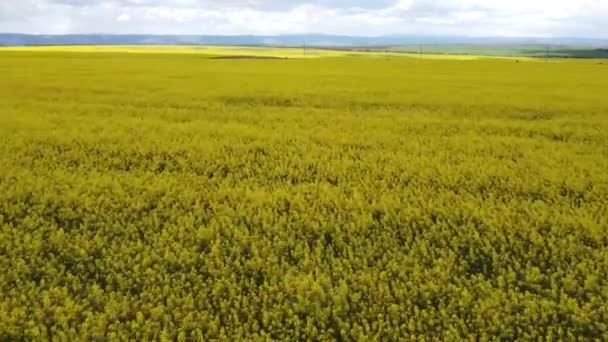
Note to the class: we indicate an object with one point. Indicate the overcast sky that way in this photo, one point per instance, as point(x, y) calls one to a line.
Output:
point(547, 18)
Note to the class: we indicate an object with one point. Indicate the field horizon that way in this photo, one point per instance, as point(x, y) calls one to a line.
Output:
point(445, 51)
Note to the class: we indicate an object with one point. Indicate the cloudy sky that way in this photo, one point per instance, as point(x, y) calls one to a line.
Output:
point(547, 18)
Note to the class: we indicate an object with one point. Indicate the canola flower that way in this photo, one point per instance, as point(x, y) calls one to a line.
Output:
point(178, 198)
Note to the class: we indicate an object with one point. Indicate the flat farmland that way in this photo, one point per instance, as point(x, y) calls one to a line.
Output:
point(176, 196)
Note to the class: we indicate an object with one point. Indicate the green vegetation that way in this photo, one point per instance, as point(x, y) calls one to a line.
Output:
point(540, 51)
point(175, 197)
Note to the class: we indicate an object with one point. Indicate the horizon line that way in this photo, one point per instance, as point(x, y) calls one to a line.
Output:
point(394, 35)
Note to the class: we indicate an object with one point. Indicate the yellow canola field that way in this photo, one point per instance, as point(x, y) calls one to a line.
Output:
point(169, 197)
point(278, 52)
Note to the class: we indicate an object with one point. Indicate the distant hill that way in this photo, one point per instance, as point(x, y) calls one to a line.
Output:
point(15, 39)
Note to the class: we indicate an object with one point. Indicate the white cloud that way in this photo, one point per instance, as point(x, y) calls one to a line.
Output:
point(588, 18)
point(123, 17)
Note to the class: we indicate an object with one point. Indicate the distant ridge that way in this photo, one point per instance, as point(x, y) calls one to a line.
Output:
point(17, 39)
